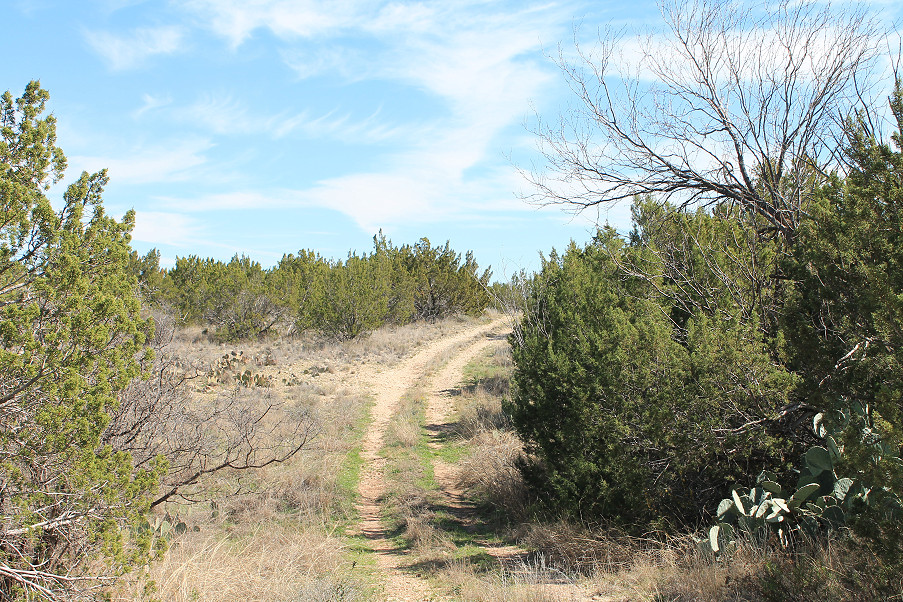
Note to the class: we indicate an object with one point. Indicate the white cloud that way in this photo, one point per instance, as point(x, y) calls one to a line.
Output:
point(369, 130)
point(236, 20)
point(480, 60)
point(222, 114)
point(127, 51)
point(162, 163)
point(161, 228)
point(411, 192)
point(332, 60)
point(150, 103)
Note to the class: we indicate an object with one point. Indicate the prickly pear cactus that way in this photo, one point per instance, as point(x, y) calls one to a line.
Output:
point(820, 502)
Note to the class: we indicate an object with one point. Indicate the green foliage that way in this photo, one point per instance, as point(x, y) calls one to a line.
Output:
point(146, 269)
point(339, 299)
point(297, 283)
point(820, 502)
point(234, 297)
point(653, 371)
point(70, 337)
point(441, 284)
point(844, 311)
point(641, 384)
point(355, 298)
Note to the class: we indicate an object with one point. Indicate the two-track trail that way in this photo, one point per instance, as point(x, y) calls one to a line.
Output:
point(451, 355)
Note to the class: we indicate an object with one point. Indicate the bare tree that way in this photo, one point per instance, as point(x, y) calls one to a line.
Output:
point(241, 428)
point(735, 101)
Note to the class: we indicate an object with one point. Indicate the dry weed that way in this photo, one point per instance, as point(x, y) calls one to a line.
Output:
point(490, 472)
point(523, 582)
point(621, 567)
point(332, 588)
point(481, 412)
point(404, 430)
point(575, 549)
point(272, 562)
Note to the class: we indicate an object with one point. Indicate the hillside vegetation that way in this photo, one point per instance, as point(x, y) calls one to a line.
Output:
point(709, 407)
point(341, 299)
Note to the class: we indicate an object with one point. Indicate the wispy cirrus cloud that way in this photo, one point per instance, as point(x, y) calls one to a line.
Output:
point(345, 127)
point(150, 103)
point(236, 20)
point(127, 51)
point(164, 162)
point(222, 114)
point(166, 228)
point(331, 60)
point(481, 61)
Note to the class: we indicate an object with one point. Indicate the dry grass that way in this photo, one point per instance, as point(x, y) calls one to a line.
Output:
point(523, 582)
point(481, 412)
point(302, 357)
point(679, 572)
point(268, 561)
point(490, 472)
point(404, 431)
point(281, 538)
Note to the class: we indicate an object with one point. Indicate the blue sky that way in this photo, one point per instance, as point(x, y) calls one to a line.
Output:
point(267, 126)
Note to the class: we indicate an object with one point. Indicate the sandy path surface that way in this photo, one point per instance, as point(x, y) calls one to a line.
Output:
point(387, 389)
point(443, 388)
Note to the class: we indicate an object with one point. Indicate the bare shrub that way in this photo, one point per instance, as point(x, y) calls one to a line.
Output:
point(728, 103)
point(491, 472)
point(245, 427)
point(331, 589)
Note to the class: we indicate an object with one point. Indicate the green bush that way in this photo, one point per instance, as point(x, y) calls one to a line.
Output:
point(70, 339)
point(339, 299)
point(641, 385)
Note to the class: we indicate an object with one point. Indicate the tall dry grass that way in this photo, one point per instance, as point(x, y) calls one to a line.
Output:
point(277, 533)
point(489, 472)
point(265, 561)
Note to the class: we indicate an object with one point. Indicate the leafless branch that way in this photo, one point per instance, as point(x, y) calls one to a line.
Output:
point(734, 102)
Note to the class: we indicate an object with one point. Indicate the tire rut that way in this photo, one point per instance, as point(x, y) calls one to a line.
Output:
point(388, 388)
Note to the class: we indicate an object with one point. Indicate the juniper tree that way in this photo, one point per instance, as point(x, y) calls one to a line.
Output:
point(70, 338)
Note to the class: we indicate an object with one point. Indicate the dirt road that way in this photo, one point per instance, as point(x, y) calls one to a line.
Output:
point(450, 355)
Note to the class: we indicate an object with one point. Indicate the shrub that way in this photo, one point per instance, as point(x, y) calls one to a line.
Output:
point(70, 337)
point(644, 382)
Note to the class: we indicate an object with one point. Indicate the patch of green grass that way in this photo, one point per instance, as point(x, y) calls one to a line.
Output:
point(491, 365)
point(450, 451)
point(470, 536)
point(349, 475)
point(361, 554)
point(477, 558)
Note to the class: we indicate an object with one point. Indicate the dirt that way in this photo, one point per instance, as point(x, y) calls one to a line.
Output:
point(401, 580)
point(387, 388)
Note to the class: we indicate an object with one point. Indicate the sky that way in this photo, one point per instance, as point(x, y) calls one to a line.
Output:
point(261, 127)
